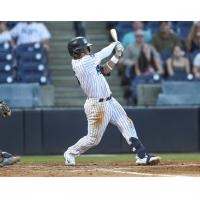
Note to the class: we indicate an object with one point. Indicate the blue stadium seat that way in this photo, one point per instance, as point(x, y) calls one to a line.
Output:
point(7, 77)
point(34, 77)
point(21, 95)
point(123, 28)
point(36, 66)
point(30, 47)
point(154, 26)
point(7, 58)
point(183, 28)
point(164, 56)
point(27, 57)
point(5, 47)
point(31, 53)
point(5, 66)
point(32, 64)
point(6, 53)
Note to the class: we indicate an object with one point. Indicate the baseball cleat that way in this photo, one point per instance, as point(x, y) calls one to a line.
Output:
point(9, 161)
point(69, 158)
point(148, 160)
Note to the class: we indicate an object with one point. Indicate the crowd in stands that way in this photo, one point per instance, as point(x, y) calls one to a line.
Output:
point(24, 50)
point(157, 51)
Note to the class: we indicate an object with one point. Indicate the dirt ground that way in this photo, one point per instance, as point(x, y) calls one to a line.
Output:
point(103, 169)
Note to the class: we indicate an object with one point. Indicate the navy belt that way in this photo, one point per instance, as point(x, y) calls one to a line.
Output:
point(106, 99)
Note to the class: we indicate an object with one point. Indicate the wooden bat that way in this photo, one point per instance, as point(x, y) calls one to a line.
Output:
point(113, 34)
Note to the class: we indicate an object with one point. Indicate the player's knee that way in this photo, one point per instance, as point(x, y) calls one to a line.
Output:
point(93, 141)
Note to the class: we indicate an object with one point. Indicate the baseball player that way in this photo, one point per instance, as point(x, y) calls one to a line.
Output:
point(6, 158)
point(101, 107)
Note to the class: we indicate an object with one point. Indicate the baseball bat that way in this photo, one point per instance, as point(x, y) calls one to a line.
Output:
point(113, 34)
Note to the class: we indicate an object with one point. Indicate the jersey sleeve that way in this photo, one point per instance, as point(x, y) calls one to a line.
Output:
point(5, 37)
point(16, 30)
point(104, 53)
point(44, 32)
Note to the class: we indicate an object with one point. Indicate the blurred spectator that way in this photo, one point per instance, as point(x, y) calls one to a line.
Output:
point(148, 68)
point(148, 62)
point(11, 24)
point(193, 41)
point(130, 37)
point(130, 56)
point(31, 32)
point(196, 66)
point(79, 28)
point(165, 40)
point(4, 34)
point(178, 66)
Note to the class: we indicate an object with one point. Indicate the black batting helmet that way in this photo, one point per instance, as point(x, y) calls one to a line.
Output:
point(76, 44)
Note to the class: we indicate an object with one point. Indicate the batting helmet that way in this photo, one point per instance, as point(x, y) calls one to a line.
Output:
point(76, 44)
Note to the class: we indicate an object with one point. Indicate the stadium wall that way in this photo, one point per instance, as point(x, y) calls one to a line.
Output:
point(51, 131)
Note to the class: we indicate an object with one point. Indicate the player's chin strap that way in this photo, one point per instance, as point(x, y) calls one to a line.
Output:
point(137, 147)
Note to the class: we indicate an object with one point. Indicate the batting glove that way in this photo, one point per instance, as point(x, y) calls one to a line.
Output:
point(119, 49)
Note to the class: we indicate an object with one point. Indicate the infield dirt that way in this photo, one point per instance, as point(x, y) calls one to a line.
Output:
point(102, 169)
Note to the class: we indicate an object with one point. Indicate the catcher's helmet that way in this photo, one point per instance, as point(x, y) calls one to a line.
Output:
point(76, 44)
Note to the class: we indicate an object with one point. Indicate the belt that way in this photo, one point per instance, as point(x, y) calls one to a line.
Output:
point(105, 99)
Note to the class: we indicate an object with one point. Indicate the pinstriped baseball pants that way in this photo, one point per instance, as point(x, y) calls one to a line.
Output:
point(99, 115)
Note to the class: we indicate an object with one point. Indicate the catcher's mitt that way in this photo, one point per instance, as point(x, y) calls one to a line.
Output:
point(5, 110)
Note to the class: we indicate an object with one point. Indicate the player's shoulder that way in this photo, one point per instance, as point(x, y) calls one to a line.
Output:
point(38, 25)
point(19, 25)
point(87, 59)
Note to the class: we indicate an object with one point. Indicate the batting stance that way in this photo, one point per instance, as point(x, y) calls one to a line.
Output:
point(6, 158)
point(100, 107)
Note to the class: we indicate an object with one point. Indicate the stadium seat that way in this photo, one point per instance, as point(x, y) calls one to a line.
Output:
point(34, 77)
point(183, 28)
point(30, 47)
point(21, 95)
point(7, 59)
point(164, 56)
point(5, 47)
point(123, 28)
point(32, 64)
point(179, 93)
point(5, 66)
point(154, 26)
point(31, 52)
point(6, 77)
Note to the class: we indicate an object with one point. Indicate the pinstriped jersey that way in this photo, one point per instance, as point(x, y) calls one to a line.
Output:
point(90, 77)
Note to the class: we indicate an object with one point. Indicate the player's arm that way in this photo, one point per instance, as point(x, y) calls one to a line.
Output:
point(106, 52)
point(108, 67)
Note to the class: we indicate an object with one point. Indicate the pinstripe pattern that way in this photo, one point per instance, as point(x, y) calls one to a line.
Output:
point(99, 114)
point(92, 82)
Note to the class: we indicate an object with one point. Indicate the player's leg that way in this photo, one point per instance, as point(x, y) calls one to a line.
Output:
point(98, 116)
point(126, 127)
